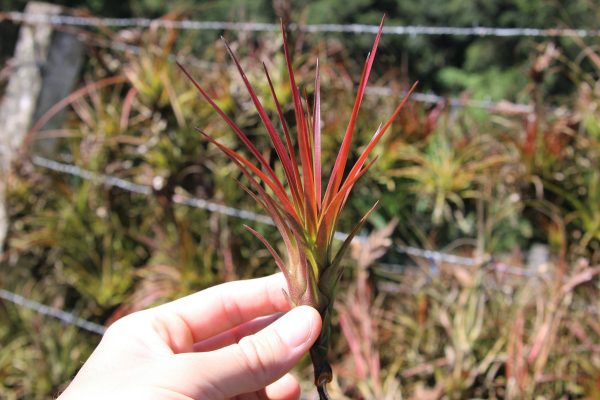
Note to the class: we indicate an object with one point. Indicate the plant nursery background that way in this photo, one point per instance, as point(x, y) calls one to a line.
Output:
point(477, 276)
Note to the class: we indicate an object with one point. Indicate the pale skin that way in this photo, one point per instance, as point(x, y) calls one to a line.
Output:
point(238, 340)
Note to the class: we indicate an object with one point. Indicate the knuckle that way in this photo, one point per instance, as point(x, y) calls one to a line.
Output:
point(231, 310)
point(213, 391)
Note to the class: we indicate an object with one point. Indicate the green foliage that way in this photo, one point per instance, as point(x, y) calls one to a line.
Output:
point(37, 355)
point(443, 176)
point(492, 84)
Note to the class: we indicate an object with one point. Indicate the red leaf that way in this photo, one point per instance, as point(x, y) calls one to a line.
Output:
point(317, 136)
point(295, 184)
point(233, 125)
point(241, 161)
point(340, 162)
point(275, 139)
point(301, 126)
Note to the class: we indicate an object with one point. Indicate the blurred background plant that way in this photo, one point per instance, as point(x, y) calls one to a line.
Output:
point(513, 190)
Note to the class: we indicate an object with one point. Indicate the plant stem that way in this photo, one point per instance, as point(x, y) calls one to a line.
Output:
point(318, 355)
point(323, 373)
point(323, 392)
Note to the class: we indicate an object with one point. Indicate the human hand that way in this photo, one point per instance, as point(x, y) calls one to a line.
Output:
point(220, 343)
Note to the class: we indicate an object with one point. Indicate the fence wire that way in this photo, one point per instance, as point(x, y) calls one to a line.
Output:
point(427, 98)
point(435, 257)
point(380, 91)
point(407, 30)
point(64, 316)
point(147, 190)
point(210, 206)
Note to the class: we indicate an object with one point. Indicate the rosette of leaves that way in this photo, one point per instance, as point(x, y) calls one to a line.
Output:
point(303, 208)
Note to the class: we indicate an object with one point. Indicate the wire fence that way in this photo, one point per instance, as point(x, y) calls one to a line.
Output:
point(455, 102)
point(381, 91)
point(419, 97)
point(147, 190)
point(64, 316)
point(112, 181)
point(435, 257)
point(410, 30)
point(427, 98)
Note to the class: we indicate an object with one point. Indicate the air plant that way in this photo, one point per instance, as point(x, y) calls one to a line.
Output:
point(302, 208)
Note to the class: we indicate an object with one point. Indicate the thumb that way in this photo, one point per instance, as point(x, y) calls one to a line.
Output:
point(260, 359)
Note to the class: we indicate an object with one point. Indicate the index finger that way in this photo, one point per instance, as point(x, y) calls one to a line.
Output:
point(222, 307)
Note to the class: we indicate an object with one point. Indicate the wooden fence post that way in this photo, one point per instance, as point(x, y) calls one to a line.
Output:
point(45, 66)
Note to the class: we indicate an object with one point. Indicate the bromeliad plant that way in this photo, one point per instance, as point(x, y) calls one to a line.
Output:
point(303, 209)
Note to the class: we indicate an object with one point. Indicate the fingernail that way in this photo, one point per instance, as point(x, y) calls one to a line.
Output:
point(295, 328)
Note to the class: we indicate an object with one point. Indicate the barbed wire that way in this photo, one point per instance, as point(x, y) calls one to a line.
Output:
point(407, 30)
point(64, 316)
point(210, 206)
point(439, 257)
point(380, 91)
point(427, 98)
point(436, 257)
point(454, 102)
point(147, 190)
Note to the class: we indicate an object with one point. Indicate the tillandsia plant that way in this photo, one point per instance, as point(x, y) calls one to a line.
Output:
point(303, 209)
